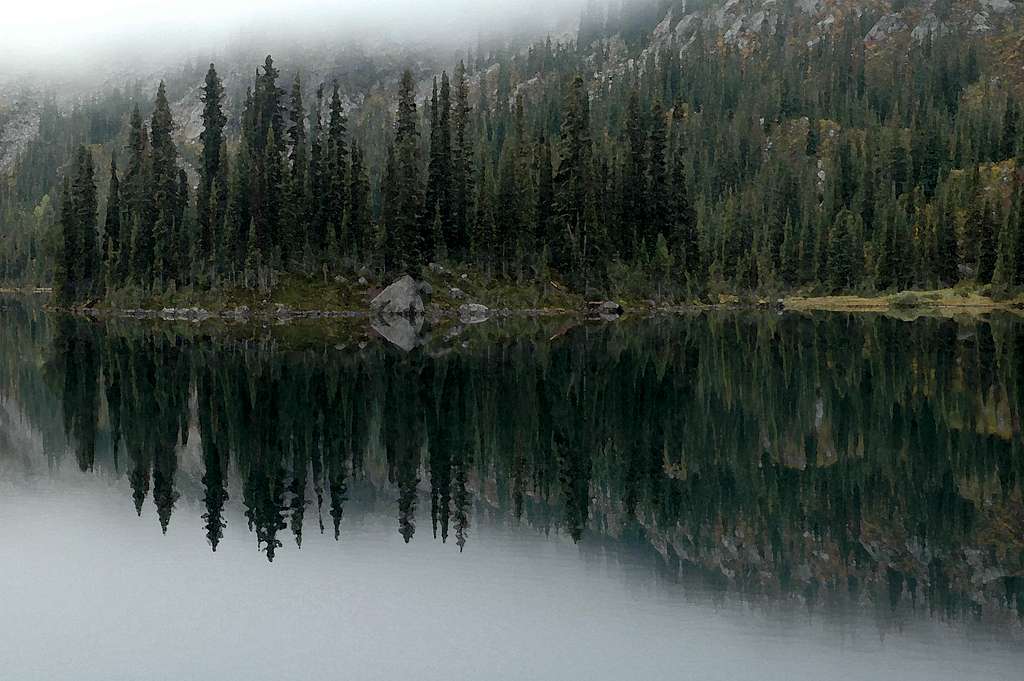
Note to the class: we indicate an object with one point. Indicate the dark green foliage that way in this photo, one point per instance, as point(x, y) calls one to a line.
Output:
point(768, 170)
point(211, 199)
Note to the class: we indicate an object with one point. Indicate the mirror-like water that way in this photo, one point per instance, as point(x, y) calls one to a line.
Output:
point(724, 496)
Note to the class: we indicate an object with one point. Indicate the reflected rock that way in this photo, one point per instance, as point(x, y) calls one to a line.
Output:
point(607, 310)
point(402, 299)
point(473, 313)
point(401, 331)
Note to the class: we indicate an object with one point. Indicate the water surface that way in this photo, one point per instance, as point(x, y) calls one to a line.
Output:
point(723, 496)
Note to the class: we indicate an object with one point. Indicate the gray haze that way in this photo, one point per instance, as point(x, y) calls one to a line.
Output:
point(70, 35)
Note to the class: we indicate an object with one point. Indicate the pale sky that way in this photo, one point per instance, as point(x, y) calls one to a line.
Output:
point(40, 31)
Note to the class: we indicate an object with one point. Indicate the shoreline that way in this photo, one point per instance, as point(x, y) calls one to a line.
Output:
point(906, 304)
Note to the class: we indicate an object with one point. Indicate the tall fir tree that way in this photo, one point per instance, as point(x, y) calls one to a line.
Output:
point(211, 196)
point(113, 248)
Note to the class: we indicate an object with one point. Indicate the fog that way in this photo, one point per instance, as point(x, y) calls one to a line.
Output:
point(77, 34)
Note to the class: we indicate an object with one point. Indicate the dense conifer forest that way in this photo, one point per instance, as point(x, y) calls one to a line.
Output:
point(613, 163)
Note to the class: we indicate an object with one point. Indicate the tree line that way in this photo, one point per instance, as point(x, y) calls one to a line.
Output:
point(812, 167)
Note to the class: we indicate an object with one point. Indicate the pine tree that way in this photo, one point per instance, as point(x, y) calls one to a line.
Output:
point(457, 237)
point(811, 145)
point(65, 282)
point(946, 265)
point(359, 205)
point(240, 213)
point(210, 203)
point(575, 248)
point(337, 167)
point(411, 235)
point(439, 192)
point(658, 203)
point(138, 197)
point(86, 264)
point(113, 248)
point(165, 179)
point(268, 224)
point(317, 177)
point(545, 202)
point(1011, 117)
point(985, 262)
point(841, 255)
point(634, 227)
point(295, 229)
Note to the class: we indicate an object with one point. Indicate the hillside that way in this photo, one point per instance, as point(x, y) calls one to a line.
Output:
point(671, 150)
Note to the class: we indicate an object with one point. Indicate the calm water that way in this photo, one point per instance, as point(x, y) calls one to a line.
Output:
point(725, 496)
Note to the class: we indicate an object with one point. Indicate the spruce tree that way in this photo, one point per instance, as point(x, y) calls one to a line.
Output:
point(457, 237)
point(165, 178)
point(574, 204)
point(545, 201)
point(337, 166)
point(86, 264)
point(946, 265)
point(295, 229)
point(210, 203)
point(411, 235)
point(113, 248)
point(65, 275)
point(634, 226)
point(658, 203)
point(359, 205)
point(985, 262)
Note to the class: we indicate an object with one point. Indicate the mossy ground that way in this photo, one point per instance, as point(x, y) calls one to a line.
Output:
point(353, 293)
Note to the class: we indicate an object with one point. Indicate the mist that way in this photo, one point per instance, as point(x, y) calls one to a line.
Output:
point(69, 37)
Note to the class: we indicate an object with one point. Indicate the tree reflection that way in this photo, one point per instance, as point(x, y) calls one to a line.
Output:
point(861, 456)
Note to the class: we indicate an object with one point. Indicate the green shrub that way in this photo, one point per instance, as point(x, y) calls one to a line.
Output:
point(907, 299)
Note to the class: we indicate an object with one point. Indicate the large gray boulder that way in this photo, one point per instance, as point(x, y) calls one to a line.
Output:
point(400, 299)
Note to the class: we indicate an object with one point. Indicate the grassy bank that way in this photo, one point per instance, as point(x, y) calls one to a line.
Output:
point(453, 287)
point(943, 302)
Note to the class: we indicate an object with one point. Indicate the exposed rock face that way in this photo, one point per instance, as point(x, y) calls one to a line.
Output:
point(19, 124)
point(473, 313)
point(400, 299)
point(885, 27)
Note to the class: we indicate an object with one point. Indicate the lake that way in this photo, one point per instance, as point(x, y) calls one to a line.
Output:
point(724, 495)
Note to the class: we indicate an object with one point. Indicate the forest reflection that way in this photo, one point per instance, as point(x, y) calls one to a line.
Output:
point(854, 457)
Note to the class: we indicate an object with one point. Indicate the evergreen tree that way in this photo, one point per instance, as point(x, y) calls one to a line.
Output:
point(295, 229)
point(410, 235)
point(545, 202)
point(65, 276)
point(946, 262)
point(113, 248)
point(359, 205)
point(575, 200)
point(985, 263)
point(209, 201)
point(439, 207)
point(86, 263)
point(634, 225)
point(457, 237)
point(658, 203)
point(165, 181)
point(337, 167)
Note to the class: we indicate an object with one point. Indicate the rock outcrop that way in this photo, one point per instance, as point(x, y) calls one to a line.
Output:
point(401, 299)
